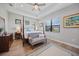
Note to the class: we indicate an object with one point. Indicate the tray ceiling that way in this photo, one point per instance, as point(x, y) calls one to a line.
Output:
point(26, 8)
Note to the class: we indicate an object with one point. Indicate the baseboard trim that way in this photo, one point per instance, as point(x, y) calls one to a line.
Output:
point(66, 45)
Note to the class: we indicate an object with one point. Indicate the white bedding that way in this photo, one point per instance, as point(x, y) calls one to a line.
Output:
point(27, 32)
point(33, 31)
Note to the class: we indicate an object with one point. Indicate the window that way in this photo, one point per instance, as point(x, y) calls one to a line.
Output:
point(56, 25)
point(53, 25)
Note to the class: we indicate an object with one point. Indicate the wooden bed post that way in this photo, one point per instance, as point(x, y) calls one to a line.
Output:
point(23, 31)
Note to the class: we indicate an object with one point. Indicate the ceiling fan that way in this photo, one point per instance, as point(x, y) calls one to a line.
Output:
point(36, 6)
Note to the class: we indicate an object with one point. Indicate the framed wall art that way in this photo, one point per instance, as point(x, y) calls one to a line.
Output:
point(71, 21)
point(53, 25)
point(17, 21)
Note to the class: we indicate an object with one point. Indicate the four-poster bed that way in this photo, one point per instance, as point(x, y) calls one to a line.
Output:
point(33, 37)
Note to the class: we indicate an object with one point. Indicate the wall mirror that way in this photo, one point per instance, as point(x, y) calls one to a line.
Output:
point(2, 25)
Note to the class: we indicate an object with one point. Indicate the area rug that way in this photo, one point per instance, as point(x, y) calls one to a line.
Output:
point(54, 51)
point(40, 49)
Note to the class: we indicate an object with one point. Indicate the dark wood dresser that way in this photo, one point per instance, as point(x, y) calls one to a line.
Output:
point(5, 42)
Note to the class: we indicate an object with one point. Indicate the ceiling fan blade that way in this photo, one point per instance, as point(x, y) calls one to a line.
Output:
point(10, 4)
point(30, 4)
point(41, 4)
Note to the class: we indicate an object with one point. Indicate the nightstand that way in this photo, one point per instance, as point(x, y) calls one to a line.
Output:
point(18, 35)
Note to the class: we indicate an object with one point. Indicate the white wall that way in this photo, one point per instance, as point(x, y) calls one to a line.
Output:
point(11, 21)
point(70, 35)
point(1, 23)
point(31, 21)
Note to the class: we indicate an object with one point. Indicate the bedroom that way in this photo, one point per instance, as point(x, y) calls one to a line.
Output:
point(24, 21)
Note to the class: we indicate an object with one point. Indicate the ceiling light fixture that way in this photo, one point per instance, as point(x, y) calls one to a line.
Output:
point(36, 7)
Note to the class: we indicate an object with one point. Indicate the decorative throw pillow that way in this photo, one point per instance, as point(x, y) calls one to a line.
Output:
point(41, 35)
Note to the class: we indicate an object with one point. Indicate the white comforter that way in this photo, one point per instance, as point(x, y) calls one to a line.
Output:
point(27, 32)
